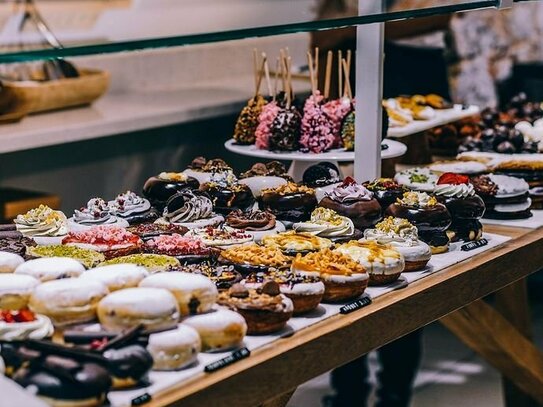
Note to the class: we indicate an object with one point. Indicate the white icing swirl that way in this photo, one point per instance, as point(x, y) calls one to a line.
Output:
point(454, 191)
point(326, 223)
point(128, 203)
point(16, 331)
point(42, 221)
point(350, 193)
point(95, 213)
point(194, 208)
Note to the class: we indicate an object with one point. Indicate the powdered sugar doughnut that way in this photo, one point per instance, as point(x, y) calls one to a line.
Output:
point(15, 290)
point(194, 293)
point(219, 330)
point(9, 262)
point(117, 276)
point(175, 349)
point(68, 301)
point(154, 308)
point(51, 268)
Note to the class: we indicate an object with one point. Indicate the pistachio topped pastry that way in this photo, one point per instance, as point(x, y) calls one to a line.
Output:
point(152, 262)
point(89, 258)
point(42, 221)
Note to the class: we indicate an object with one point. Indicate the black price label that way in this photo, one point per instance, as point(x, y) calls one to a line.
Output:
point(473, 245)
point(232, 358)
point(140, 400)
point(355, 305)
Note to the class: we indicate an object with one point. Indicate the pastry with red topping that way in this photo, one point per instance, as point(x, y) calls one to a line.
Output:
point(185, 249)
point(21, 324)
point(111, 241)
point(465, 206)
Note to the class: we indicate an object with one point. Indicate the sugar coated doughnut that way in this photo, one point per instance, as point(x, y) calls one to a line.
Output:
point(51, 268)
point(175, 349)
point(117, 276)
point(9, 262)
point(15, 290)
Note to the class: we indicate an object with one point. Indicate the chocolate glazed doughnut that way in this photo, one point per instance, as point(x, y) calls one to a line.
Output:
point(364, 214)
point(160, 188)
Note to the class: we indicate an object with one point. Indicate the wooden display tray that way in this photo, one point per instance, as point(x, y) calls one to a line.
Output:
point(18, 99)
point(271, 373)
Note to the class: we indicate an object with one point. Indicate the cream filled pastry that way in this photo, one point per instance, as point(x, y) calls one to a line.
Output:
point(175, 349)
point(117, 276)
point(96, 212)
point(43, 224)
point(132, 208)
point(191, 209)
point(355, 202)
point(51, 268)
point(403, 236)
point(383, 263)
point(292, 242)
point(222, 237)
point(327, 223)
point(195, 293)
point(15, 290)
point(9, 262)
point(18, 325)
point(418, 179)
point(68, 301)
point(187, 249)
point(111, 241)
point(155, 309)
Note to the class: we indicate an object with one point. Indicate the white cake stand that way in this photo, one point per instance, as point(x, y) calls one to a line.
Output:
point(301, 161)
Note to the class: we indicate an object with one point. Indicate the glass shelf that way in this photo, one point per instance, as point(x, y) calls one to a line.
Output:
point(130, 25)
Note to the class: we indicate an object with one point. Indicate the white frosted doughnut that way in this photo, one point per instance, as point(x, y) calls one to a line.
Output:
point(68, 301)
point(195, 293)
point(117, 276)
point(15, 290)
point(154, 308)
point(9, 262)
point(51, 268)
point(219, 330)
point(175, 349)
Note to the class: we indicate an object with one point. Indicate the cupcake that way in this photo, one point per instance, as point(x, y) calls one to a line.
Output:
point(403, 236)
point(305, 292)
point(431, 218)
point(43, 224)
point(264, 309)
point(227, 194)
point(95, 213)
point(465, 207)
point(386, 191)
point(418, 179)
point(322, 177)
point(192, 209)
point(183, 248)
point(327, 223)
point(160, 188)
point(355, 202)
point(344, 279)
point(290, 202)
point(382, 262)
point(132, 208)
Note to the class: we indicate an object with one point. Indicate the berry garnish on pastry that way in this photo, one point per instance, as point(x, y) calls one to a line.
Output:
point(186, 249)
point(96, 212)
point(132, 208)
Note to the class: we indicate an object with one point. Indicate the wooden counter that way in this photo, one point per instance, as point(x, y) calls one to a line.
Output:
point(279, 368)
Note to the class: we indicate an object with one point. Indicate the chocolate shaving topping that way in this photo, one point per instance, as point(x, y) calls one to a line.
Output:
point(484, 186)
point(251, 220)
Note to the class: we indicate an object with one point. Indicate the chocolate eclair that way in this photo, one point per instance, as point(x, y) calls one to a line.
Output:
point(227, 194)
point(290, 202)
point(253, 220)
point(160, 188)
point(355, 202)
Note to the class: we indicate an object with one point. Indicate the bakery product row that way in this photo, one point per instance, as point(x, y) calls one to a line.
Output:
point(198, 262)
point(281, 122)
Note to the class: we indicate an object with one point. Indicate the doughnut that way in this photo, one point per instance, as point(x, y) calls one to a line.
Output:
point(195, 293)
point(9, 262)
point(117, 276)
point(68, 301)
point(15, 290)
point(155, 309)
point(51, 268)
point(128, 365)
point(175, 349)
point(219, 330)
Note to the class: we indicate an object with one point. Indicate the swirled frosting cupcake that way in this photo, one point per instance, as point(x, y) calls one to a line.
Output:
point(327, 223)
point(355, 202)
point(43, 224)
point(133, 208)
point(190, 209)
point(403, 236)
point(465, 206)
point(95, 213)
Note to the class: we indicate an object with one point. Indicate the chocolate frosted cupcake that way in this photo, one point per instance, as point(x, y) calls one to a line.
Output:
point(227, 194)
point(166, 184)
point(132, 208)
point(355, 202)
point(285, 130)
point(386, 191)
point(290, 202)
point(431, 218)
point(465, 207)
